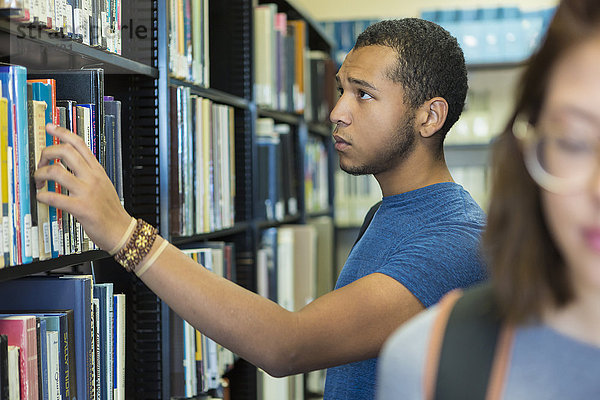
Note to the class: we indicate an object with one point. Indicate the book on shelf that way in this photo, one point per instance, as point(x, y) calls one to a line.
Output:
point(198, 364)
point(277, 180)
point(280, 47)
point(6, 222)
point(114, 154)
point(14, 386)
point(119, 318)
point(4, 367)
point(95, 23)
point(21, 332)
point(43, 217)
point(316, 174)
point(14, 82)
point(104, 363)
point(286, 273)
point(202, 164)
point(189, 41)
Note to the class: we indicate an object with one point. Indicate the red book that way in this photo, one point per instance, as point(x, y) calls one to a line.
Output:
point(21, 332)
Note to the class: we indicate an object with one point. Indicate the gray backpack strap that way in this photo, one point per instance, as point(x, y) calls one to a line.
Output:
point(474, 352)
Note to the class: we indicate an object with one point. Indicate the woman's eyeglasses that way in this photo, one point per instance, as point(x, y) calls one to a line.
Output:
point(559, 160)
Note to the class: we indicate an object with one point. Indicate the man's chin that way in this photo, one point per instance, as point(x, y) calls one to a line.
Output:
point(355, 170)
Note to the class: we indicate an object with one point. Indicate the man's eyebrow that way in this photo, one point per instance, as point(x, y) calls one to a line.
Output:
point(356, 81)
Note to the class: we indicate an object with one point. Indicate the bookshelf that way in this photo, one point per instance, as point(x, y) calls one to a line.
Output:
point(232, 64)
point(140, 78)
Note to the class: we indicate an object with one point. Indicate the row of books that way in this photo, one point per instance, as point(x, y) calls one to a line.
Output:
point(65, 339)
point(277, 181)
point(316, 175)
point(202, 164)
point(279, 59)
point(354, 196)
point(198, 364)
point(287, 76)
point(30, 230)
point(188, 41)
point(294, 265)
point(96, 23)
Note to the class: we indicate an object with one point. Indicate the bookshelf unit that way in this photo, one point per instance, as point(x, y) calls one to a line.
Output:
point(140, 79)
point(231, 29)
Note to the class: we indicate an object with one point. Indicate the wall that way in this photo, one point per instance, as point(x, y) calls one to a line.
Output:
point(324, 10)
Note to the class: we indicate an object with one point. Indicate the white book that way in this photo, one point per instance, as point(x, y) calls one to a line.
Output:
point(53, 365)
point(14, 386)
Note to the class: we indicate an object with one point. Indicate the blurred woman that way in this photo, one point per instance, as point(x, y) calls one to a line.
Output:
point(542, 243)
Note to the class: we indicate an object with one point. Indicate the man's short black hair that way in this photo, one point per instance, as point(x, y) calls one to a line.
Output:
point(430, 63)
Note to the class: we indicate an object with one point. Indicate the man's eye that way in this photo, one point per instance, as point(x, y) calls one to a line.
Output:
point(364, 95)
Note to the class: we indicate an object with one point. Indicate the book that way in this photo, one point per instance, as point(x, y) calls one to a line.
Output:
point(14, 385)
point(84, 86)
point(265, 62)
point(71, 230)
point(59, 293)
point(21, 332)
point(5, 238)
point(104, 294)
point(119, 346)
point(53, 365)
point(14, 78)
point(114, 153)
point(45, 90)
point(4, 394)
point(41, 223)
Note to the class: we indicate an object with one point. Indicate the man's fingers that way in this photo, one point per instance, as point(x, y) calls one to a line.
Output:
point(58, 173)
point(54, 199)
point(69, 156)
point(68, 137)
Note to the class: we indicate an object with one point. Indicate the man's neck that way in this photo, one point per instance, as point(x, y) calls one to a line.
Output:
point(416, 171)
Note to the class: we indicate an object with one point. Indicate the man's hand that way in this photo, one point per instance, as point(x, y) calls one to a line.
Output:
point(92, 198)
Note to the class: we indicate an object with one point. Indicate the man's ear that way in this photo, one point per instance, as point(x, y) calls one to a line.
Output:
point(432, 116)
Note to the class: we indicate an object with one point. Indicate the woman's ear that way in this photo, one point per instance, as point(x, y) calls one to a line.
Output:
point(433, 115)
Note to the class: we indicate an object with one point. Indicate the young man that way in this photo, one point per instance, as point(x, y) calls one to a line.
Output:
point(402, 87)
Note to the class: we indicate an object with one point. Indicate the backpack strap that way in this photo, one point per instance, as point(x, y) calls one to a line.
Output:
point(469, 348)
point(367, 221)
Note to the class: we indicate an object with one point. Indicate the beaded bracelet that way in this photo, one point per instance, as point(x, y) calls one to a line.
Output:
point(138, 246)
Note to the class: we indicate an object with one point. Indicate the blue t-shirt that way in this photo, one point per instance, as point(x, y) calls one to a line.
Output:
point(428, 240)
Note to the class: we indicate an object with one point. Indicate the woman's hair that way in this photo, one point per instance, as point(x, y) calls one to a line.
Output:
point(527, 268)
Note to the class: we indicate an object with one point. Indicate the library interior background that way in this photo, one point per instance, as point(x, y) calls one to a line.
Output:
point(211, 118)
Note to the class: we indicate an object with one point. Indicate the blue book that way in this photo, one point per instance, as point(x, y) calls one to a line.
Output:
point(42, 359)
point(104, 293)
point(14, 79)
point(43, 92)
point(59, 293)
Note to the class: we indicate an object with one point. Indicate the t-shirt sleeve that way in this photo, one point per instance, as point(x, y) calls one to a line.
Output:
point(435, 263)
point(402, 360)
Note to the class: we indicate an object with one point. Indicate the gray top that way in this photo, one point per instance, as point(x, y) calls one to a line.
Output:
point(544, 364)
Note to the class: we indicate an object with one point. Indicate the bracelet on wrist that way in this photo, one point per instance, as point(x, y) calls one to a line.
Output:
point(138, 245)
